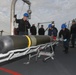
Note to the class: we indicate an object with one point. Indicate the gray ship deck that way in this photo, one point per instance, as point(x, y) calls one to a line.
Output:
point(63, 64)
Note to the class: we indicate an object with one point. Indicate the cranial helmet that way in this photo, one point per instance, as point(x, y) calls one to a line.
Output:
point(63, 26)
point(26, 14)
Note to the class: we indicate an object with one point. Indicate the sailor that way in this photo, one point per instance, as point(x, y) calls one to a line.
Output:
point(50, 30)
point(41, 30)
point(66, 37)
point(73, 33)
point(55, 30)
point(33, 30)
point(24, 24)
point(52, 34)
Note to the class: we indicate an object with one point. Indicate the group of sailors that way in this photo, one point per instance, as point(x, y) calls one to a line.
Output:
point(24, 25)
point(33, 30)
point(66, 33)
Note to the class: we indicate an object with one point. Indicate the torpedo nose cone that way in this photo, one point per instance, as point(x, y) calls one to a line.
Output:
point(6, 44)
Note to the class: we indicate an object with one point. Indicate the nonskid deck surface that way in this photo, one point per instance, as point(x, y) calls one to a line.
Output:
point(63, 64)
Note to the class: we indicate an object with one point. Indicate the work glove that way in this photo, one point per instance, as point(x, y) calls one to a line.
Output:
point(65, 40)
point(15, 16)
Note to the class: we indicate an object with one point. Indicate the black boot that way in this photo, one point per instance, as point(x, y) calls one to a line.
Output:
point(72, 47)
point(66, 50)
point(54, 46)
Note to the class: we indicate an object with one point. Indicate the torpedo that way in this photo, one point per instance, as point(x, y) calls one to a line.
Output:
point(8, 43)
point(13, 46)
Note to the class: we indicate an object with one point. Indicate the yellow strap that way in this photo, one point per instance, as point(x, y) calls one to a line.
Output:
point(29, 41)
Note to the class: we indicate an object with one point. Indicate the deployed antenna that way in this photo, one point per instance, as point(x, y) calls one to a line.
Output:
point(12, 20)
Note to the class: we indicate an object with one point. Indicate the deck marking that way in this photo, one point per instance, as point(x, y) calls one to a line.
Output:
point(9, 71)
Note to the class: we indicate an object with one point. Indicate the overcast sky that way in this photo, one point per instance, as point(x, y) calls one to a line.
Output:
point(42, 11)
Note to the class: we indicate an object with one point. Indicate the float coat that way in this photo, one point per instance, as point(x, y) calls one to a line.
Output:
point(8, 43)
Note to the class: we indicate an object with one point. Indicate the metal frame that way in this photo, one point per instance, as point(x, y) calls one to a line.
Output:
point(21, 52)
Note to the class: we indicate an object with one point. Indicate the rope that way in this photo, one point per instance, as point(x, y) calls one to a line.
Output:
point(21, 9)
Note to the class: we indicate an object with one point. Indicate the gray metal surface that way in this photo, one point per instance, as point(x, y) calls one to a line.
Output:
point(42, 39)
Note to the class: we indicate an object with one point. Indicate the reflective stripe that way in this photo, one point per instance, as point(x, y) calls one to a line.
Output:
point(29, 40)
point(33, 40)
